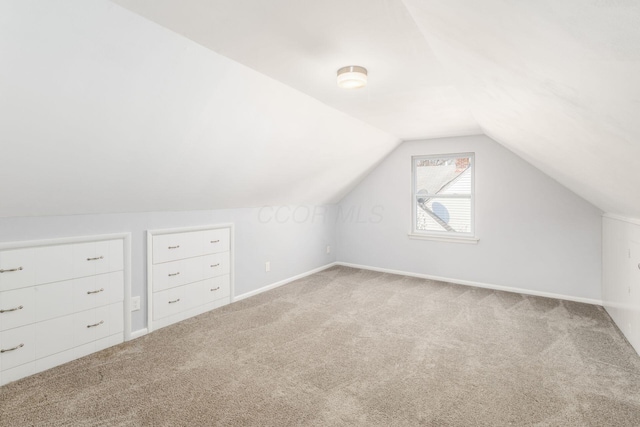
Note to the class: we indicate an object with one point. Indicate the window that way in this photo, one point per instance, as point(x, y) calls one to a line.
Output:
point(443, 195)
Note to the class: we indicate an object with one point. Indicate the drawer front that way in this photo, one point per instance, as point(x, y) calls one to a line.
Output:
point(92, 325)
point(217, 265)
point(97, 291)
point(16, 373)
point(17, 308)
point(54, 300)
point(172, 247)
point(97, 257)
point(178, 273)
point(171, 274)
point(217, 288)
point(64, 333)
point(48, 264)
point(17, 269)
point(210, 290)
point(193, 296)
point(215, 241)
point(53, 263)
point(169, 302)
point(71, 296)
point(54, 336)
point(116, 320)
point(17, 347)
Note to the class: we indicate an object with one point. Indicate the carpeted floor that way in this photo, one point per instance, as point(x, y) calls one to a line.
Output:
point(353, 347)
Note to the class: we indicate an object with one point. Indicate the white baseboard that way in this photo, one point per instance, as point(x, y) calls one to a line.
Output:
point(476, 284)
point(281, 282)
point(139, 333)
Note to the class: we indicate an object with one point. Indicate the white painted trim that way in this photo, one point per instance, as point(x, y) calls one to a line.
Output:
point(450, 239)
point(149, 281)
point(475, 284)
point(282, 282)
point(127, 286)
point(232, 261)
point(139, 333)
point(188, 229)
point(62, 241)
point(635, 221)
point(472, 197)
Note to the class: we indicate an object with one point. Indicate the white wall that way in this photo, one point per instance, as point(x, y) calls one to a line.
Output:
point(103, 111)
point(293, 238)
point(621, 274)
point(535, 235)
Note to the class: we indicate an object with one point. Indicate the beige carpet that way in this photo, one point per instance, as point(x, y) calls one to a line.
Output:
point(353, 347)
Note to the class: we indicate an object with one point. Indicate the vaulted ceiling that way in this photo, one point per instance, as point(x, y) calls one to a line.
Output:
point(202, 104)
point(557, 82)
point(304, 43)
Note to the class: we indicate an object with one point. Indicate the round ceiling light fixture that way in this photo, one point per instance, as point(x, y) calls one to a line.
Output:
point(352, 77)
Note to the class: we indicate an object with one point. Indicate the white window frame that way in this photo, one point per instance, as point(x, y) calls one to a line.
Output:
point(448, 236)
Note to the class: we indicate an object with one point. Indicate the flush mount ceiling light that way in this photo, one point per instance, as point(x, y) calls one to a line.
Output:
point(352, 77)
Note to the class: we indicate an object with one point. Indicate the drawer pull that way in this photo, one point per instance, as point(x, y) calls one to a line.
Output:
point(10, 270)
point(12, 309)
point(174, 301)
point(174, 274)
point(11, 349)
point(95, 324)
point(174, 247)
point(95, 259)
point(215, 289)
point(215, 265)
point(215, 241)
point(95, 292)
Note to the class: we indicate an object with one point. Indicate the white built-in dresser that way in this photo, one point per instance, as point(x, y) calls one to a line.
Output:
point(189, 272)
point(60, 300)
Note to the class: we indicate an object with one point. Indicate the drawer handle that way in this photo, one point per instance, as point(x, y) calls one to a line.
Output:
point(95, 259)
point(215, 265)
point(12, 309)
point(95, 292)
point(215, 289)
point(11, 349)
point(174, 301)
point(95, 324)
point(174, 247)
point(215, 241)
point(10, 270)
point(174, 274)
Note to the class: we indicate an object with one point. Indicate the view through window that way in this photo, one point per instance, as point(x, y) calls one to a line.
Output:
point(443, 194)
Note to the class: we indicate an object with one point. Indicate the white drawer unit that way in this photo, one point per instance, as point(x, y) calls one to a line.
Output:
point(61, 299)
point(189, 272)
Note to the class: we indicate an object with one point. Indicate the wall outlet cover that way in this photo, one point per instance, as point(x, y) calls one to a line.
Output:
point(135, 303)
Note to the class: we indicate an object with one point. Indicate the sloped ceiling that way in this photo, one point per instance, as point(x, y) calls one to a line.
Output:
point(304, 43)
point(234, 103)
point(556, 82)
point(104, 111)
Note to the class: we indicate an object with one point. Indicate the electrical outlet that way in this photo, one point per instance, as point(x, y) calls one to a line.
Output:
point(267, 266)
point(135, 303)
point(328, 249)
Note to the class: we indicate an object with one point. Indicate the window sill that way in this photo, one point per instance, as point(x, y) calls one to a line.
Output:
point(450, 239)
